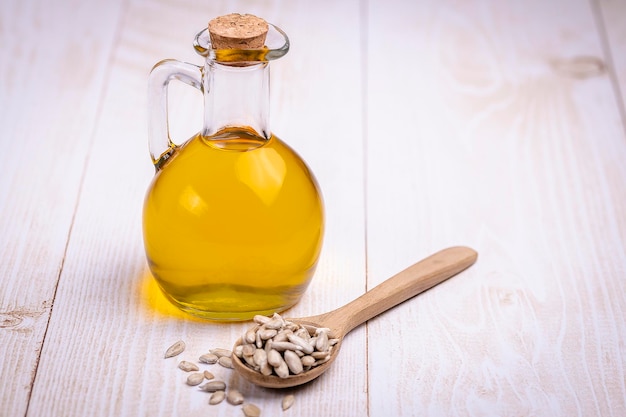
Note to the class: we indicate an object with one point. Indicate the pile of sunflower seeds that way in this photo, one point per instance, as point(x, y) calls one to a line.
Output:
point(280, 347)
point(218, 389)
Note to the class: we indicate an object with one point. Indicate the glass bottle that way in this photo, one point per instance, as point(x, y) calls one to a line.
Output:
point(233, 219)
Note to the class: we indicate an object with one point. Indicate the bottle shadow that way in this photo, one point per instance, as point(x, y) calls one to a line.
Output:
point(153, 301)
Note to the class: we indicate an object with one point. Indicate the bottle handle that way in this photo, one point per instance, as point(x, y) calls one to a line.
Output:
point(160, 145)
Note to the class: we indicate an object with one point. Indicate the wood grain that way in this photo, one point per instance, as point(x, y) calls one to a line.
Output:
point(612, 26)
point(493, 124)
point(509, 141)
point(108, 315)
point(51, 79)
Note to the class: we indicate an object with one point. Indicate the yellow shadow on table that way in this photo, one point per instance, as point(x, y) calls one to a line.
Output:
point(155, 301)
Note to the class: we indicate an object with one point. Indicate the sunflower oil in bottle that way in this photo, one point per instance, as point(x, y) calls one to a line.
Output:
point(233, 219)
point(233, 225)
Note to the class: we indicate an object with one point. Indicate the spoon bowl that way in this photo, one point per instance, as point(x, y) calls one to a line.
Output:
point(415, 279)
point(273, 381)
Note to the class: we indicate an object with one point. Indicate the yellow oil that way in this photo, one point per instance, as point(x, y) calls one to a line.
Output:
point(233, 226)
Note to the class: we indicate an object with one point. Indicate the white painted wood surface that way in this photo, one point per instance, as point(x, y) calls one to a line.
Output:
point(53, 72)
point(493, 124)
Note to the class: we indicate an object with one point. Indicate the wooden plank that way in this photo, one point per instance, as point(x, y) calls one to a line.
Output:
point(51, 78)
point(104, 347)
point(611, 20)
point(493, 124)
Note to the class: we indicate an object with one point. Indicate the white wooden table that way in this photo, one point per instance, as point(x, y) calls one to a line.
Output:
point(494, 124)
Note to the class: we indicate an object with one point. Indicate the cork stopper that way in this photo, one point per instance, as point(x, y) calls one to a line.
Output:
point(238, 31)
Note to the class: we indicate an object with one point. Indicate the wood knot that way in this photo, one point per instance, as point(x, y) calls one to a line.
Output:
point(9, 320)
point(21, 320)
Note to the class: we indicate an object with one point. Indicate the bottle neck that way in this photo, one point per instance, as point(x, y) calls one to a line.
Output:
point(236, 96)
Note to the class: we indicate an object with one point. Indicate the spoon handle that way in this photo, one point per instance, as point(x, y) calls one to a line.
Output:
point(413, 280)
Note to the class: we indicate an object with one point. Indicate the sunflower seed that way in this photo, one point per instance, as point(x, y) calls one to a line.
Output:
point(293, 362)
point(217, 397)
point(221, 352)
point(213, 386)
point(274, 358)
point(249, 359)
point(261, 319)
point(288, 401)
point(297, 340)
point(266, 369)
point(292, 326)
point(260, 357)
point(195, 379)
point(319, 355)
point(320, 330)
point(251, 410)
point(321, 361)
point(282, 336)
point(302, 332)
point(257, 340)
point(188, 366)
point(208, 375)
point(250, 336)
point(238, 351)
point(282, 370)
point(248, 350)
point(267, 334)
point(208, 358)
point(226, 362)
point(176, 349)
point(321, 344)
point(234, 397)
point(282, 346)
point(260, 362)
point(274, 324)
point(310, 329)
point(307, 361)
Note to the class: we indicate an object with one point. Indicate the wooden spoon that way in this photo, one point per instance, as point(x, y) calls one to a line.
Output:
point(415, 279)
